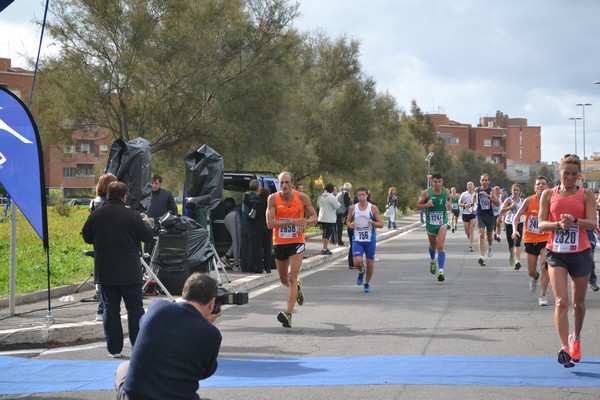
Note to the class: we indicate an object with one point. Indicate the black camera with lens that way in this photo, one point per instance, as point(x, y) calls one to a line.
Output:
point(225, 297)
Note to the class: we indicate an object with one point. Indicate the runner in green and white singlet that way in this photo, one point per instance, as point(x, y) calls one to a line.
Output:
point(436, 201)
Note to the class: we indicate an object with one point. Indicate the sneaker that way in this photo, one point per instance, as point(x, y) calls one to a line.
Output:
point(542, 301)
point(497, 238)
point(533, 283)
point(470, 249)
point(99, 318)
point(511, 259)
point(594, 286)
point(481, 261)
point(564, 358)
point(432, 268)
point(453, 230)
point(517, 266)
point(325, 252)
point(285, 318)
point(367, 288)
point(300, 295)
point(359, 279)
point(490, 251)
point(441, 277)
point(575, 348)
point(116, 355)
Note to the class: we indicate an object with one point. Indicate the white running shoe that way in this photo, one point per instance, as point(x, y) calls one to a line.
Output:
point(490, 251)
point(542, 301)
point(533, 284)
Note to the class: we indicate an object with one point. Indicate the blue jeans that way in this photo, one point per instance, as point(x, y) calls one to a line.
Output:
point(113, 331)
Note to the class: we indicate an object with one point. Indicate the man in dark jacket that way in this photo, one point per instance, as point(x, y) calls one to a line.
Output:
point(116, 232)
point(161, 201)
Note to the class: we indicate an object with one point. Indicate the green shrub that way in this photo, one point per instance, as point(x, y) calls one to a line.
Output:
point(61, 207)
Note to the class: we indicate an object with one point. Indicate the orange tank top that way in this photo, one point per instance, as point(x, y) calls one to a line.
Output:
point(291, 210)
point(574, 240)
point(531, 233)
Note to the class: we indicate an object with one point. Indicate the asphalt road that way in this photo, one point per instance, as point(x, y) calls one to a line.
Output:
point(409, 316)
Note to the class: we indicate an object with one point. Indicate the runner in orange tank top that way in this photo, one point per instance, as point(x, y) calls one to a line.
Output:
point(535, 240)
point(286, 215)
point(567, 211)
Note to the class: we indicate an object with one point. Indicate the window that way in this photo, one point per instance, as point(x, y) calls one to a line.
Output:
point(496, 142)
point(487, 142)
point(69, 172)
point(496, 159)
point(84, 148)
point(103, 149)
point(69, 149)
point(84, 171)
point(448, 139)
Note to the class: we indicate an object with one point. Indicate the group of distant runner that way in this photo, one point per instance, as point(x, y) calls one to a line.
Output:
point(558, 227)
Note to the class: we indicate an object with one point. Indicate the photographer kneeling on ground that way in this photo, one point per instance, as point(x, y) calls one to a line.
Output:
point(177, 346)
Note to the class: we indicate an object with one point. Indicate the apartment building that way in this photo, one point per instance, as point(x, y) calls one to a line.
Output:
point(72, 168)
point(509, 143)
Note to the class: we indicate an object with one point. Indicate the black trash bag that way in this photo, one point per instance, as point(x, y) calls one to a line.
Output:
point(181, 245)
point(130, 162)
point(176, 223)
point(203, 178)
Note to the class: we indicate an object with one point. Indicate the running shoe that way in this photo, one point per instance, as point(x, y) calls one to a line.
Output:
point(326, 252)
point(564, 358)
point(432, 268)
point(441, 277)
point(300, 295)
point(511, 259)
point(470, 249)
point(497, 238)
point(285, 318)
point(453, 230)
point(594, 286)
point(517, 266)
point(367, 288)
point(481, 261)
point(359, 279)
point(533, 283)
point(542, 301)
point(575, 348)
point(490, 251)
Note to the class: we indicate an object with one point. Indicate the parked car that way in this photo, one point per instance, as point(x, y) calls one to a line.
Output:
point(235, 184)
point(79, 201)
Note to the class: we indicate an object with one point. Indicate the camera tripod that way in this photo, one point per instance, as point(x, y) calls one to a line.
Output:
point(214, 263)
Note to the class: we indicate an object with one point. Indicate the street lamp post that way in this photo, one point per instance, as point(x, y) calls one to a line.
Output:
point(575, 121)
point(583, 105)
point(428, 159)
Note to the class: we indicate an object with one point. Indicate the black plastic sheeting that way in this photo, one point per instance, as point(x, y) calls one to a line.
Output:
point(183, 245)
point(204, 178)
point(130, 162)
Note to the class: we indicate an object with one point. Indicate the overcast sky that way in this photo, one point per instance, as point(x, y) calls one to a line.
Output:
point(533, 59)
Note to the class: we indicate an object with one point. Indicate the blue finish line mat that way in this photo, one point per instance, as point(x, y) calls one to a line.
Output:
point(26, 376)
